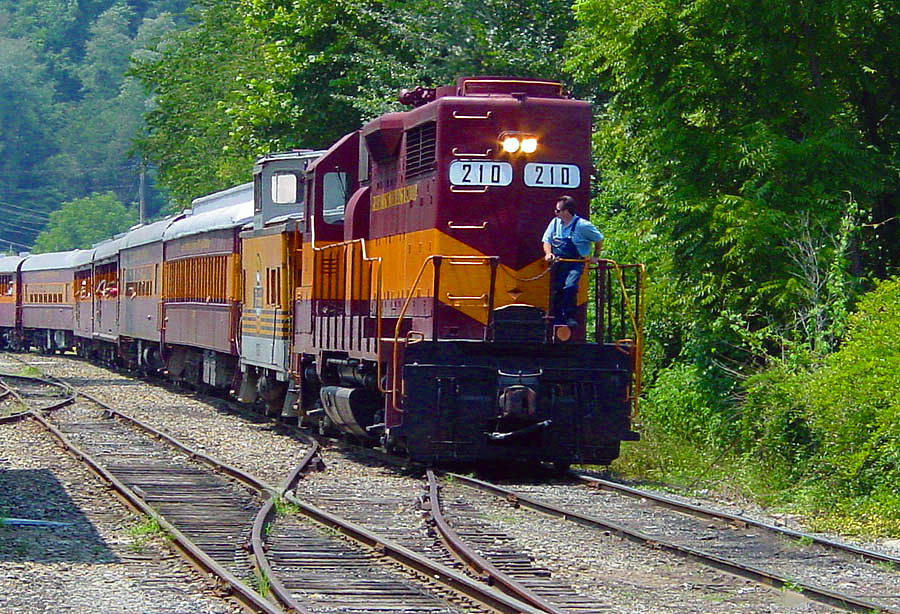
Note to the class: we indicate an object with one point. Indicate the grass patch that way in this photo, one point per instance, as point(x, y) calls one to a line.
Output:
point(262, 584)
point(286, 508)
point(258, 582)
point(142, 534)
point(676, 466)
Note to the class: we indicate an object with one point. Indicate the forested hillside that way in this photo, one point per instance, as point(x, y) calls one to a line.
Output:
point(748, 152)
point(68, 112)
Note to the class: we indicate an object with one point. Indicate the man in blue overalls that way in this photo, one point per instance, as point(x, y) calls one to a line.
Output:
point(568, 236)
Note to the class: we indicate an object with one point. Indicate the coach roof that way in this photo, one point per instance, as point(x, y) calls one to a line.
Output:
point(83, 258)
point(51, 261)
point(108, 249)
point(147, 233)
point(226, 198)
point(220, 218)
point(9, 264)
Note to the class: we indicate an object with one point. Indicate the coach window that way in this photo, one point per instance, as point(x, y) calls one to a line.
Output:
point(286, 188)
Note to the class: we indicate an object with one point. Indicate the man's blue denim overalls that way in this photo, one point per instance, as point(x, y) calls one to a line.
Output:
point(565, 276)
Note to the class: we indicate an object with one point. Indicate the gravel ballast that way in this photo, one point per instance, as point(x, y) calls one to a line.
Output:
point(99, 562)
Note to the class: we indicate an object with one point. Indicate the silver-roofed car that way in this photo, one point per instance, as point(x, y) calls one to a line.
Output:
point(238, 213)
point(51, 261)
point(83, 258)
point(148, 233)
point(226, 198)
point(108, 249)
point(9, 264)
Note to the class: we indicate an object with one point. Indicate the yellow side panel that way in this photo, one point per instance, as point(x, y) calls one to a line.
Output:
point(264, 308)
point(464, 283)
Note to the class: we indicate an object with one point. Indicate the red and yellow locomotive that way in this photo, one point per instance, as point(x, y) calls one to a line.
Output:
point(420, 293)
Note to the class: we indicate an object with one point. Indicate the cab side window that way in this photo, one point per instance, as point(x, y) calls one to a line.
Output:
point(334, 197)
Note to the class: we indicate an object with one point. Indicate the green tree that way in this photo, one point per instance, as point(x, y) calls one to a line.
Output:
point(251, 77)
point(192, 75)
point(82, 222)
point(330, 65)
point(731, 124)
point(100, 129)
point(107, 50)
point(26, 137)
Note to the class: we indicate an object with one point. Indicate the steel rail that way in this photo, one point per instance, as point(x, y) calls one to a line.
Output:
point(481, 566)
point(810, 591)
point(249, 598)
point(11, 391)
point(257, 546)
point(435, 571)
point(265, 514)
point(696, 510)
point(452, 579)
point(238, 474)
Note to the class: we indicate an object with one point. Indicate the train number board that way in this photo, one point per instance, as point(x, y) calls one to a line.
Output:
point(476, 172)
point(541, 175)
point(491, 173)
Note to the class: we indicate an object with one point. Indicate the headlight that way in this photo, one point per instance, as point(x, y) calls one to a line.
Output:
point(510, 144)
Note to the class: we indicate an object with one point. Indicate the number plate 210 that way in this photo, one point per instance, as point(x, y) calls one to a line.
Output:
point(476, 173)
point(537, 175)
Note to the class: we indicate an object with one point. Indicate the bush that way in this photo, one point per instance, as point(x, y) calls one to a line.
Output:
point(854, 401)
point(819, 434)
point(835, 430)
point(775, 429)
point(680, 405)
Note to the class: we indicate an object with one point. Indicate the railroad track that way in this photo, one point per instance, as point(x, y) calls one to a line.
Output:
point(819, 569)
point(207, 516)
point(494, 558)
point(211, 519)
point(370, 510)
point(21, 393)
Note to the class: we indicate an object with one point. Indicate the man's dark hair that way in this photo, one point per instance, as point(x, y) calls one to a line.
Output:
point(567, 202)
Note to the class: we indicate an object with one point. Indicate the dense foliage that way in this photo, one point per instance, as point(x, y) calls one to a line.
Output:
point(752, 149)
point(68, 112)
point(249, 76)
point(834, 431)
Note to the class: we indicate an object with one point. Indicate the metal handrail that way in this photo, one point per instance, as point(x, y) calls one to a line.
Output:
point(635, 316)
